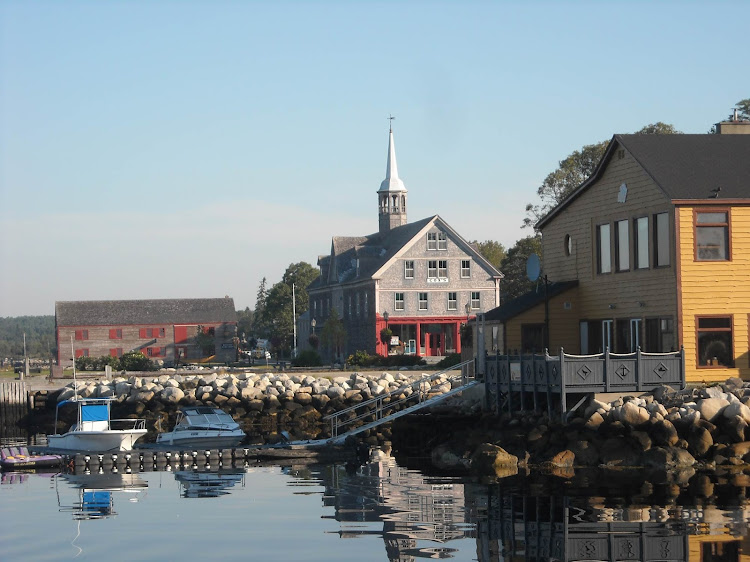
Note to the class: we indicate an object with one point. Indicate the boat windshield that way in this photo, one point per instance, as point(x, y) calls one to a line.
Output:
point(204, 416)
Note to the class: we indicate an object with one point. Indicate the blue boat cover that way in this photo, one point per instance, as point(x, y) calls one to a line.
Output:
point(94, 412)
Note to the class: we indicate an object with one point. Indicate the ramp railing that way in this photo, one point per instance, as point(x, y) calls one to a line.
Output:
point(386, 407)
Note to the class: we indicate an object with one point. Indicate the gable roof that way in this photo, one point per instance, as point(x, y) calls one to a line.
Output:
point(682, 166)
point(130, 312)
point(525, 302)
point(375, 252)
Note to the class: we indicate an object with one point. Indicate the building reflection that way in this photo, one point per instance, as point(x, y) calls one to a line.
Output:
point(425, 517)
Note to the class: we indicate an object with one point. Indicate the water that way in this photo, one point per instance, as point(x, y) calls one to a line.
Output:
point(378, 511)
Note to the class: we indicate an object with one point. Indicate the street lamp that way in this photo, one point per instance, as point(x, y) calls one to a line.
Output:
point(385, 317)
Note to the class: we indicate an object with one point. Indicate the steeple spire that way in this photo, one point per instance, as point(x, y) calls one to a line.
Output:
point(392, 192)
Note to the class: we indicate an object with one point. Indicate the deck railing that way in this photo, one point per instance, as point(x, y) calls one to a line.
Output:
point(520, 382)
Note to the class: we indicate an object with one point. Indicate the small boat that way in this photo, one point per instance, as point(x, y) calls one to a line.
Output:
point(95, 431)
point(19, 458)
point(203, 426)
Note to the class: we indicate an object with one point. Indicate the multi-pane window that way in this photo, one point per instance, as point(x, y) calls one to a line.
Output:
point(432, 269)
point(475, 303)
point(452, 301)
point(640, 227)
point(157, 332)
point(659, 335)
point(603, 251)
point(712, 236)
point(622, 245)
point(432, 240)
point(82, 353)
point(115, 334)
point(465, 269)
point(442, 240)
point(409, 269)
point(443, 269)
point(661, 240)
point(82, 334)
point(715, 341)
point(115, 352)
point(422, 301)
point(398, 301)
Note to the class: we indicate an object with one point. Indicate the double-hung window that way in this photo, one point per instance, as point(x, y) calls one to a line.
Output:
point(82, 334)
point(443, 269)
point(432, 240)
point(398, 302)
point(422, 301)
point(452, 301)
point(712, 235)
point(475, 302)
point(465, 269)
point(115, 333)
point(432, 269)
point(409, 269)
point(442, 241)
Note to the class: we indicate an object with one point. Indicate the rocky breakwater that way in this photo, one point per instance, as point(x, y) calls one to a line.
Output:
point(696, 428)
point(259, 402)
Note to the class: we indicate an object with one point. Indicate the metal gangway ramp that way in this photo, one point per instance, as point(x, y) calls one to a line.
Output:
point(387, 407)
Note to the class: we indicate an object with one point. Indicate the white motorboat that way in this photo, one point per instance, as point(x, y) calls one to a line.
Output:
point(95, 431)
point(203, 426)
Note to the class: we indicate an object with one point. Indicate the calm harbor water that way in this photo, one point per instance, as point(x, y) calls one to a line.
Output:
point(377, 511)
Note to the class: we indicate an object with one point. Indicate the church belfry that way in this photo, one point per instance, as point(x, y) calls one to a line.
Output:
point(392, 193)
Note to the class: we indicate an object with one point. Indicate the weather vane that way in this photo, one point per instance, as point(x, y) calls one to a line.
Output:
point(390, 125)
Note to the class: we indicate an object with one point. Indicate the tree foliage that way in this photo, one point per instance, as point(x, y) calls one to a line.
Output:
point(245, 322)
point(40, 336)
point(492, 251)
point(516, 283)
point(574, 170)
point(333, 334)
point(274, 309)
point(744, 109)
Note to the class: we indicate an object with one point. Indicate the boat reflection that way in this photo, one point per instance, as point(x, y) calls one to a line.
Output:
point(95, 497)
point(208, 484)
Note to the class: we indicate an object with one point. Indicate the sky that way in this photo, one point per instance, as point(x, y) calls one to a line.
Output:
point(164, 149)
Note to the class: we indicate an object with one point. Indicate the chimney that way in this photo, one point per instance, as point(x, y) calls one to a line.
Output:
point(733, 126)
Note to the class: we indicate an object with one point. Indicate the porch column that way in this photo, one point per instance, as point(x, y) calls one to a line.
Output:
point(419, 339)
point(457, 331)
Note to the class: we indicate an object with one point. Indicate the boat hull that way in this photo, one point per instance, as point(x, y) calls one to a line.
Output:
point(210, 439)
point(96, 441)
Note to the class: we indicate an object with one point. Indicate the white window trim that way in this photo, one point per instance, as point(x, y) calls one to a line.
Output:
point(426, 301)
point(396, 301)
point(454, 300)
point(463, 276)
point(406, 275)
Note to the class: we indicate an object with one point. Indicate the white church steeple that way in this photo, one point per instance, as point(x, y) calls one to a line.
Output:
point(392, 193)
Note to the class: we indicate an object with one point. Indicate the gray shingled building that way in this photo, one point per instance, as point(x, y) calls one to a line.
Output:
point(420, 280)
point(163, 329)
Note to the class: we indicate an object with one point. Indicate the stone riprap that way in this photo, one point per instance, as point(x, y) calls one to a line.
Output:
point(703, 427)
point(248, 396)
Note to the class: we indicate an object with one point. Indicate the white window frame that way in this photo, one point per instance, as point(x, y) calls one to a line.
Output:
point(423, 303)
point(432, 269)
point(476, 300)
point(408, 269)
point(466, 269)
point(442, 269)
point(442, 241)
point(398, 298)
point(431, 241)
point(453, 302)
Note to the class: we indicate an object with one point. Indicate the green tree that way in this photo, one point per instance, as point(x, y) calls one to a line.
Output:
point(278, 315)
point(333, 335)
point(574, 170)
point(260, 328)
point(516, 283)
point(744, 109)
point(245, 322)
point(492, 251)
point(301, 275)
point(205, 339)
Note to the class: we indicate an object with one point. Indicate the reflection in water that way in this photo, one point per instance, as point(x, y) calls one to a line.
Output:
point(95, 498)
point(208, 484)
point(523, 518)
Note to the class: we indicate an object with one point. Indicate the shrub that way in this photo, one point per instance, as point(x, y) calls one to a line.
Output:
point(308, 358)
point(136, 361)
point(85, 363)
point(449, 361)
point(361, 359)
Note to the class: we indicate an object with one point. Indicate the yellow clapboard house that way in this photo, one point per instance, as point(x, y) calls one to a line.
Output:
point(651, 252)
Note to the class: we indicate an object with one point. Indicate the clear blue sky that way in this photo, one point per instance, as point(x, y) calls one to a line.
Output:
point(189, 149)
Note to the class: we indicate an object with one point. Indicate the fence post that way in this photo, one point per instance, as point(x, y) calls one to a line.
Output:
point(638, 378)
point(606, 370)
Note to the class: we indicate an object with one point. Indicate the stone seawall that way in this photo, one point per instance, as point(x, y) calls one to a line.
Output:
point(251, 398)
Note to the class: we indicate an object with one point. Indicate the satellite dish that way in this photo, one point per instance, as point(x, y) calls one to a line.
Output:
point(533, 267)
